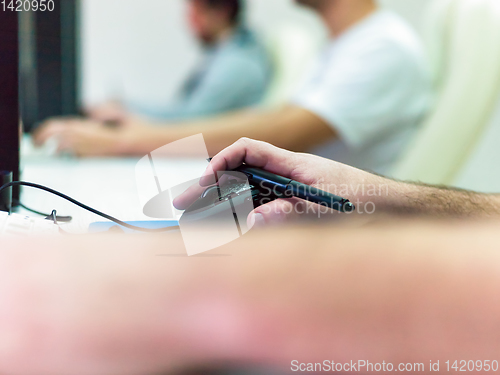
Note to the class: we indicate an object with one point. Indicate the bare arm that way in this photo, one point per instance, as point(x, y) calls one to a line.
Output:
point(367, 191)
point(440, 201)
point(290, 127)
point(405, 293)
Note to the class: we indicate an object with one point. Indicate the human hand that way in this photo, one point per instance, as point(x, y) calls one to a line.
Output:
point(327, 175)
point(83, 137)
point(79, 137)
point(80, 310)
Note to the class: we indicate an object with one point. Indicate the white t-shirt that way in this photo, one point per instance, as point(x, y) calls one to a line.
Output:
point(371, 85)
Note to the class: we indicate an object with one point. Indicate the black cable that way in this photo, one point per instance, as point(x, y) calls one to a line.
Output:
point(85, 207)
point(62, 219)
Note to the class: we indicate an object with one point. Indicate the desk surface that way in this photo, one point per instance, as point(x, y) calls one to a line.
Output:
point(108, 185)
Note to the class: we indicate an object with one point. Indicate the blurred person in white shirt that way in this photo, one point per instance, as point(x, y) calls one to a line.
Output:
point(360, 105)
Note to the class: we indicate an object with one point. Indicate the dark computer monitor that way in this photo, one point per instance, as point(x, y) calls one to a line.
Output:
point(48, 63)
point(38, 74)
point(9, 95)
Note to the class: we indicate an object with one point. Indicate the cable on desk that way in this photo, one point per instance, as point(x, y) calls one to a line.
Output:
point(62, 219)
point(52, 217)
point(85, 207)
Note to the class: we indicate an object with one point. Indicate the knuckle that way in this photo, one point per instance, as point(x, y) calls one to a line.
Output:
point(244, 141)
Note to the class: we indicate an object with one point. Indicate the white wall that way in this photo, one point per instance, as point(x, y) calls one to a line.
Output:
point(135, 50)
point(140, 51)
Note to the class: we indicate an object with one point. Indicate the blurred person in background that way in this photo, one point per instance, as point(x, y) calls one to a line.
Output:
point(233, 74)
point(360, 105)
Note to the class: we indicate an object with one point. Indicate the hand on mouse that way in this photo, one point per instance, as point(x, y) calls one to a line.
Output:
point(328, 175)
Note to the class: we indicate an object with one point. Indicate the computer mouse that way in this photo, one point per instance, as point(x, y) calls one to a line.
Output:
point(232, 201)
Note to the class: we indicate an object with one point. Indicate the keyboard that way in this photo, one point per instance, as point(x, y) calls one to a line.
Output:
point(19, 225)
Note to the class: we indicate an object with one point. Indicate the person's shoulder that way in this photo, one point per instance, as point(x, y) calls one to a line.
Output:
point(392, 30)
point(383, 31)
point(243, 56)
point(246, 45)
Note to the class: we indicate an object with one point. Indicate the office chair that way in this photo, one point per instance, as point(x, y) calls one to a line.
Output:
point(464, 53)
point(481, 173)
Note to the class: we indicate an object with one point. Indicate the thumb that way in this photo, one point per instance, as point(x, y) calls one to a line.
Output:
point(277, 212)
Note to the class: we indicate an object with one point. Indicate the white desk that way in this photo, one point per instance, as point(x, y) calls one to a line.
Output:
point(107, 185)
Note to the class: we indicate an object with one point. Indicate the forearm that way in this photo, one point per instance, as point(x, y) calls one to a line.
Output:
point(408, 198)
point(105, 305)
point(319, 294)
point(290, 128)
point(222, 131)
point(218, 132)
point(401, 293)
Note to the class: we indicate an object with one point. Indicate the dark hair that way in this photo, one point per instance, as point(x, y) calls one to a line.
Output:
point(234, 7)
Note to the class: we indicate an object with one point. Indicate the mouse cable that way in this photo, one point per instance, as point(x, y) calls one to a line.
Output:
point(62, 219)
point(85, 207)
